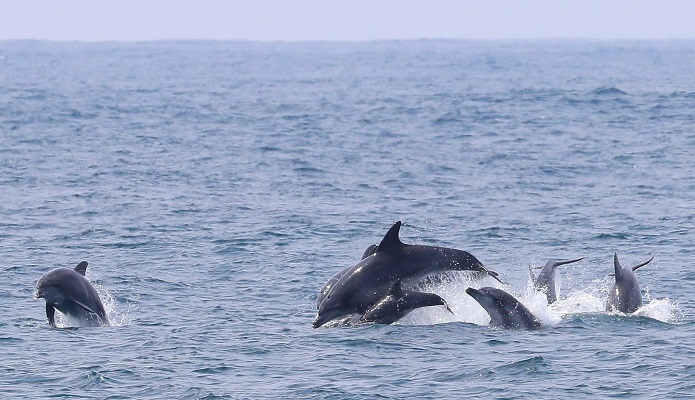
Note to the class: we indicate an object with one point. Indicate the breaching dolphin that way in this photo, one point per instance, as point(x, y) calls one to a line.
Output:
point(505, 311)
point(354, 290)
point(625, 295)
point(545, 281)
point(399, 303)
point(68, 291)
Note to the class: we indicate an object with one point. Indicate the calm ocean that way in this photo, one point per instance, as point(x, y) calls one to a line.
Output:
point(215, 186)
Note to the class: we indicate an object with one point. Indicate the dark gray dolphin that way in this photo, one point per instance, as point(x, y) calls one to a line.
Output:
point(68, 291)
point(505, 311)
point(545, 281)
point(625, 295)
point(399, 303)
point(327, 286)
point(367, 282)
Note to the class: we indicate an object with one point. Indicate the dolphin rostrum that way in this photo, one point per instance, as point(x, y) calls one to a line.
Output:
point(545, 281)
point(68, 291)
point(625, 295)
point(355, 289)
point(399, 303)
point(505, 311)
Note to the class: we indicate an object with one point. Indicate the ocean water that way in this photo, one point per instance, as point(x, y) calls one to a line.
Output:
point(214, 187)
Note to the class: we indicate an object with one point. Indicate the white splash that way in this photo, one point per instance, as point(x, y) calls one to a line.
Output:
point(588, 300)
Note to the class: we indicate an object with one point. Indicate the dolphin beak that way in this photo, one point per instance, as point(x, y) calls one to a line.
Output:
point(38, 294)
point(318, 321)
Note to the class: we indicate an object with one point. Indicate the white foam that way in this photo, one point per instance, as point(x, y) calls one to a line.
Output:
point(588, 300)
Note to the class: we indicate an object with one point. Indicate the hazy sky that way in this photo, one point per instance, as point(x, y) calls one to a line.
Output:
point(293, 20)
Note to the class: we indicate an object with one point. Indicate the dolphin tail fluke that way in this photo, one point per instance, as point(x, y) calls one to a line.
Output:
point(563, 262)
point(642, 264)
point(618, 268)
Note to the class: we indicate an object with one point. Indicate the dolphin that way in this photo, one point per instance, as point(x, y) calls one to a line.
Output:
point(327, 286)
point(625, 295)
point(399, 303)
point(545, 281)
point(359, 287)
point(68, 291)
point(505, 311)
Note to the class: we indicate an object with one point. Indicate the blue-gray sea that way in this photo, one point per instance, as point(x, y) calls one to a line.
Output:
point(214, 187)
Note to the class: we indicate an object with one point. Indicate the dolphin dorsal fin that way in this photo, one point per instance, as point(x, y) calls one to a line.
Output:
point(391, 240)
point(618, 268)
point(81, 268)
point(643, 264)
point(396, 290)
point(370, 250)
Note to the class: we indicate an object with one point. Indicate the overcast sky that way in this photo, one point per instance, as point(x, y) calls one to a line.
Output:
point(353, 20)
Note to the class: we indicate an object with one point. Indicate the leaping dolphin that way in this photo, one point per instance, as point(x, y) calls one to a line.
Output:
point(545, 281)
point(68, 291)
point(505, 311)
point(359, 287)
point(399, 303)
point(625, 295)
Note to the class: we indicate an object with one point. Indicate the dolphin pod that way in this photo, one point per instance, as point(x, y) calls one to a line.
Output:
point(372, 288)
point(355, 289)
point(68, 291)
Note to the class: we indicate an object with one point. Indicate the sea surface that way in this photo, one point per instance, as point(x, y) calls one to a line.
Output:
point(214, 187)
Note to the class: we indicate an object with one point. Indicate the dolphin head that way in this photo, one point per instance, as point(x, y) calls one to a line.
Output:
point(50, 287)
point(493, 302)
point(484, 297)
point(329, 310)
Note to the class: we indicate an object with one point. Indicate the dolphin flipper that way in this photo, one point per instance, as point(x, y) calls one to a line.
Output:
point(50, 314)
point(101, 316)
point(89, 310)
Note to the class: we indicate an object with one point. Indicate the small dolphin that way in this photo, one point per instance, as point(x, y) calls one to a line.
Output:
point(68, 291)
point(625, 295)
point(399, 303)
point(545, 281)
point(361, 286)
point(327, 286)
point(505, 311)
